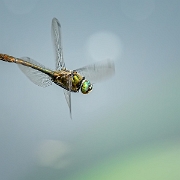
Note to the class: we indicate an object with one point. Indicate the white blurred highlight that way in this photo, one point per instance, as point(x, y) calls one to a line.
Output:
point(20, 6)
point(137, 9)
point(104, 45)
point(52, 153)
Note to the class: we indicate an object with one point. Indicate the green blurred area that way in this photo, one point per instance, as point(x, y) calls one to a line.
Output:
point(157, 162)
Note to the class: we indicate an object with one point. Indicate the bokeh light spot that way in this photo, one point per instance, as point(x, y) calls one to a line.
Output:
point(51, 153)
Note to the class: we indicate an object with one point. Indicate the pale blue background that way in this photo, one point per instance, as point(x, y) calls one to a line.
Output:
point(137, 108)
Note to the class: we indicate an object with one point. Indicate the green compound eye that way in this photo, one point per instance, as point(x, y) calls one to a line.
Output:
point(86, 87)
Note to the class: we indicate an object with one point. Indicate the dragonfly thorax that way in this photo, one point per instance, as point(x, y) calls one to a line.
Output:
point(69, 80)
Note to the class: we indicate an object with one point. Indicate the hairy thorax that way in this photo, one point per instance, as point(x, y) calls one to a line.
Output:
point(69, 80)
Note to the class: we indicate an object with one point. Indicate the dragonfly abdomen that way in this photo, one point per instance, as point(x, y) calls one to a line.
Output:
point(11, 59)
point(34, 66)
point(7, 58)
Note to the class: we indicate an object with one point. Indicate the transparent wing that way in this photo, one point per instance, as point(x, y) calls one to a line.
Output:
point(56, 37)
point(68, 95)
point(36, 76)
point(98, 72)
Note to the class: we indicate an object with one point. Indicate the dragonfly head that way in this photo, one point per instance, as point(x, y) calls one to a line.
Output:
point(86, 87)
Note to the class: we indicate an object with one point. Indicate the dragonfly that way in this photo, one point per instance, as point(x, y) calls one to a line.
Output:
point(81, 79)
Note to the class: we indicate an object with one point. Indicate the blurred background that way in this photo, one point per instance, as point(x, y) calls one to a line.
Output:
point(128, 127)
